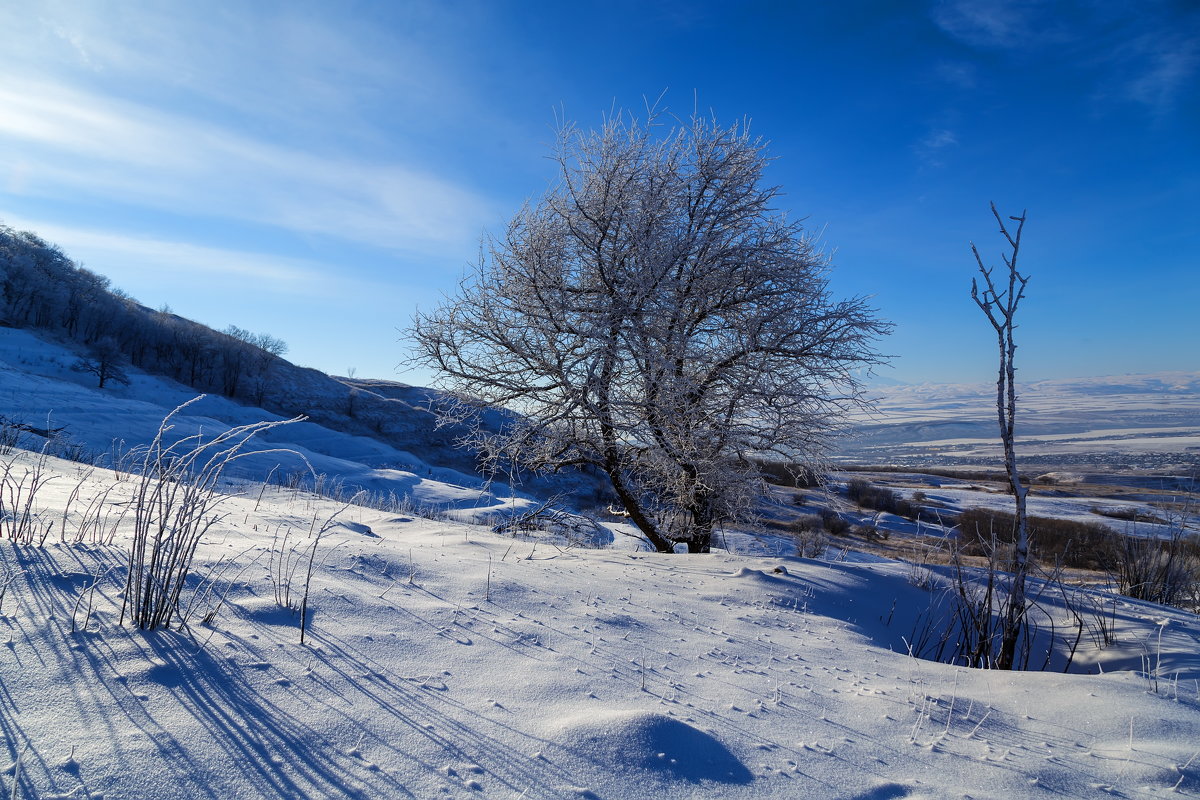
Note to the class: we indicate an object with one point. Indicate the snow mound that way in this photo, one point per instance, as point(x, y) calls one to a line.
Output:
point(358, 527)
point(266, 611)
point(642, 740)
point(761, 575)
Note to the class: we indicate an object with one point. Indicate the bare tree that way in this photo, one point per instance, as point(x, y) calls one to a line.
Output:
point(250, 355)
point(654, 317)
point(106, 361)
point(1000, 306)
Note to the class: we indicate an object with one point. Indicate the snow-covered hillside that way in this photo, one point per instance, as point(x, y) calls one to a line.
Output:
point(443, 660)
point(39, 389)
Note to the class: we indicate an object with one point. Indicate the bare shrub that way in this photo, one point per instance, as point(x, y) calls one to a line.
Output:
point(795, 476)
point(577, 530)
point(870, 530)
point(834, 523)
point(878, 498)
point(811, 542)
point(808, 522)
point(286, 554)
point(920, 574)
point(175, 502)
point(1163, 571)
point(967, 622)
point(10, 435)
point(19, 488)
point(542, 516)
point(316, 534)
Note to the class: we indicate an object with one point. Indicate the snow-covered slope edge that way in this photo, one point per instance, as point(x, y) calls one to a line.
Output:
point(38, 389)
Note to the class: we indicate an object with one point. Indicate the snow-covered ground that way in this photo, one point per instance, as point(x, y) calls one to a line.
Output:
point(443, 660)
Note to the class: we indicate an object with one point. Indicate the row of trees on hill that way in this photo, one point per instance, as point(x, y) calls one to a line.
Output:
point(40, 287)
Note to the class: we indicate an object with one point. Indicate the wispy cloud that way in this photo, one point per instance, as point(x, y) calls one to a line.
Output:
point(183, 260)
point(1160, 67)
point(264, 59)
point(1148, 52)
point(957, 73)
point(245, 113)
point(1005, 24)
point(932, 146)
point(66, 142)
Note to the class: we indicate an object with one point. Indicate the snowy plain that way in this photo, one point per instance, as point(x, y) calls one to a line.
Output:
point(1116, 422)
point(445, 660)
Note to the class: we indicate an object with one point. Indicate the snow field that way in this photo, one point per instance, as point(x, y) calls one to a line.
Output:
point(446, 661)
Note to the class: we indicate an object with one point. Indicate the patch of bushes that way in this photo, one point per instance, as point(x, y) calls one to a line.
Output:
point(1083, 545)
point(1128, 514)
point(868, 531)
point(811, 542)
point(834, 523)
point(963, 474)
point(1161, 570)
point(827, 520)
point(867, 495)
point(808, 522)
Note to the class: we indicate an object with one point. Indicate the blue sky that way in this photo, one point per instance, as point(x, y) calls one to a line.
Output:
point(315, 170)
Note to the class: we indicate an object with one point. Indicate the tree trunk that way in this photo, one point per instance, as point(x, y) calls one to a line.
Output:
point(702, 526)
point(661, 543)
point(1000, 306)
point(1007, 406)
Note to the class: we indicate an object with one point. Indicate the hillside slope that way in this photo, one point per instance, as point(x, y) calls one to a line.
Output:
point(39, 389)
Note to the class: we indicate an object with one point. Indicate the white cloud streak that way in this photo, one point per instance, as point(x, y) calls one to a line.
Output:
point(254, 114)
point(1148, 52)
point(932, 146)
point(998, 25)
point(62, 142)
point(165, 258)
point(1162, 66)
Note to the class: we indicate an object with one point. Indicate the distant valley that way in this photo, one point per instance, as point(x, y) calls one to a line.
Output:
point(1124, 422)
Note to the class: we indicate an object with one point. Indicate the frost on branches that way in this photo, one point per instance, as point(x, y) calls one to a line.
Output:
point(655, 317)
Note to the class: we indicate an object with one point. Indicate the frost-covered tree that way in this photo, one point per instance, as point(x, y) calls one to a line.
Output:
point(655, 317)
